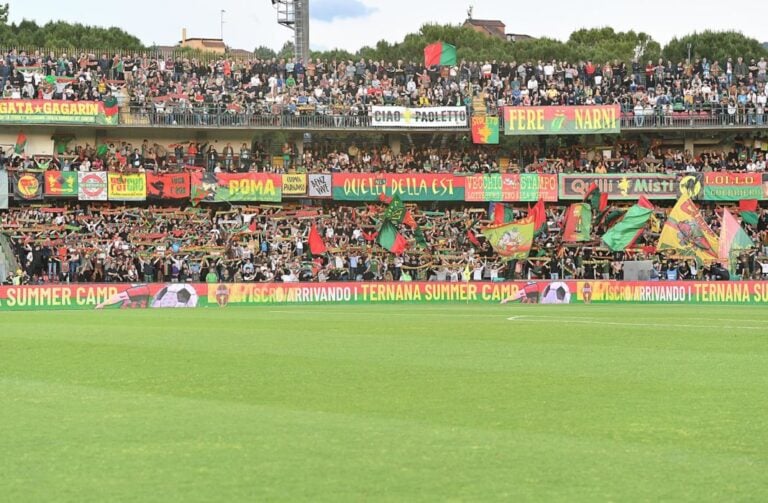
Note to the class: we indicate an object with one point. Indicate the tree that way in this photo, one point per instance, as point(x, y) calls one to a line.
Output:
point(4, 14)
point(715, 46)
point(264, 52)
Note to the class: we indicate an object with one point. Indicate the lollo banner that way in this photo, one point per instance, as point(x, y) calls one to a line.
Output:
point(320, 185)
point(294, 184)
point(550, 120)
point(415, 187)
point(525, 187)
point(723, 186)
point(426, 117)
point(485, 130)
point(92, 186)
point(127, 187)
point(168, 186)
point(28, 186)
point(627, 187)
point(3, 190)
point(60, 183)
point(56, 112)
point(236, 187)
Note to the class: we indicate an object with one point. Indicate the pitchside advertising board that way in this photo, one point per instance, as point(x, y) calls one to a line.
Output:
point(223, 295)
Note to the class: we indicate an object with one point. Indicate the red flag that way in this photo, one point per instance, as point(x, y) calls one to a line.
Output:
point(252, 226)
point(384, 198)
point(603, 202)
point(748, 205)
point(538, 214)
point(316, 245)
point(643, 202)
point(473, 239)
point(371, 236)
point(498, 214)
point(409, 220)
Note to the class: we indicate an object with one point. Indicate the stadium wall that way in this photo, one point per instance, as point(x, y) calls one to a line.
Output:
point(188, 295)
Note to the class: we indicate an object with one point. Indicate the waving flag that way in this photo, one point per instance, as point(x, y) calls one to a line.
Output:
point(686, 232)
point(578, 223)
point(624, 234)
point(511, 241)
point(440, 53)
point(732, 240)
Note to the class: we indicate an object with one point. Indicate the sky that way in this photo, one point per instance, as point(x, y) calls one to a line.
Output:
point(351, 24)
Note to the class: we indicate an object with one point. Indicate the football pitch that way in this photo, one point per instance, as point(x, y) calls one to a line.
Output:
point(386, 402)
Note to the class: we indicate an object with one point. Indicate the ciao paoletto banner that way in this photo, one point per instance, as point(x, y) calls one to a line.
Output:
point(427, 117)
point(56, 112)
point(410, 187)
point(187, 295)
point(556, 120)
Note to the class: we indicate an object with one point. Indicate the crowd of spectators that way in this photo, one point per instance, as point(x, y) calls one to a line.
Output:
point(100, 243)
point(167, 86)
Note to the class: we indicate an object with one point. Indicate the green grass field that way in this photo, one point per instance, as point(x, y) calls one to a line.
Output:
point(386, 402)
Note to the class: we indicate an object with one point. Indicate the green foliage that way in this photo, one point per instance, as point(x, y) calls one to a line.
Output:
point(62, 35)
point(264, 52)
point(715, 46)
point(287, 51)
point(3, 13)
point(333, 55)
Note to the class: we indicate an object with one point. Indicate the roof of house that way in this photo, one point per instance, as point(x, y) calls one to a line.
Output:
point(486, 22)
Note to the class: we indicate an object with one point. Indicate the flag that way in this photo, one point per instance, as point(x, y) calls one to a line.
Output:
point(539, 216)
point(390, 239)
point(395, 212)
point(473, 239)
point(409, 220)
point(511, 241)
point(732, 240)
point(485, 130)
point(101, 151)
point(440, 54)
point(110, 106)
point(501, 213)
point(624, 234)
point(748, 211)
point(604, 202)
point(592, 195)
point(316, 244)
point(421, 240)
point(21, 143)
point(686, 232)
point(578, 223)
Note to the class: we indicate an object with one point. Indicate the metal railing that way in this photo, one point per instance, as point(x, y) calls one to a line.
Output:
point(201, 119)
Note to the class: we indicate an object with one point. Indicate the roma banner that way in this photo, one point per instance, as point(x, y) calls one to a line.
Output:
point(426, 117)
point(525, 187)
point(28, 186)
point(319, 185)
point(511, 241)
point(3, 190)
point(168, 186)
point(56, 112)
point(626, 187)
point(236, 187)
point(294, 185)
point(127, 187)
point(578, 223)
point(410, 187)
point(558, 120)
point(687, 233)
point(485, 130)
point(723, 186)
point(92, 186)
point(60, 183)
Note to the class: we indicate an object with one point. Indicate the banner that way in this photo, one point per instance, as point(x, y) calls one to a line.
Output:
point(485, 130)
point(236, 187)
point(101, 296)
point(92, 186)
point(723, 186)
point(627, 187)
point(3, 190)
point(88, 296)
point(294, 184)
point(410, 187)
point(511, 241)
point(526, 187)
point(765, 185)
point(168, 186)
point(320, 185)
point(28, 186)
point(687, 233)
point(60, 183)
point(127, 187)
point(56, 112)
point(558, 120)
point(427, 117)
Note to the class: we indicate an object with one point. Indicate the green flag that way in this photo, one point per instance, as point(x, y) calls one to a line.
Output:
point(395, 211)
point(625, 233)
point(391, 239)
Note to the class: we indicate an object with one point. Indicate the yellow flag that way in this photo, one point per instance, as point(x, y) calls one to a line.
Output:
point(686, 232)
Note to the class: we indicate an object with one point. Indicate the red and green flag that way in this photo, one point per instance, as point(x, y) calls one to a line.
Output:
point(538, 214)
point(511, 241)
point(390, 239)
point(110, 106)
point(624, 234)
point(578, 223)
point(395, 211)
point(485, 130)
point(733, 239)
point(748, 211)
point(501, 213)
point(21, 144)
point(440, 54)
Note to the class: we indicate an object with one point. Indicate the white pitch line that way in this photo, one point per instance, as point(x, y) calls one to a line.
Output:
point(625, 324)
